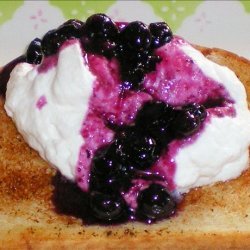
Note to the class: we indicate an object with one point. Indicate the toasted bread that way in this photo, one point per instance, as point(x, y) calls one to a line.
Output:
point(211, 217)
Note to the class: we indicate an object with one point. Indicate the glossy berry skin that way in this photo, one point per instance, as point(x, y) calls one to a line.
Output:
point(51, 42)
point(155, 118)
point(188, 120)
point(67, 31)
point(155, 203)
point(151, 62)
point(53, 39)
point(107, 207)
point(198, 110)
point(34, 53)
point(74, 22)
point(99, 35)
point(134, 66)
point(186, 123)
point(108, 173)
point(136, 36)
point(142, 59)
point(130, 43)
point(132, 77)
point(137, 149)
point(100, 26)
point(105, 184)
point(104, 162)
point(161, 34)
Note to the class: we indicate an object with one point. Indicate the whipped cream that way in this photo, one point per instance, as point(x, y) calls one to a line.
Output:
point(220, 152)
point(49, 108)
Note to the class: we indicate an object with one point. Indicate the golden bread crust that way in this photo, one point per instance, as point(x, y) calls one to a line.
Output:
point(212, 217)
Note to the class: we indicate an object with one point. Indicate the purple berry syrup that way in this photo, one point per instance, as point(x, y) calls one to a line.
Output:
point(176, 81)
point(5, 73)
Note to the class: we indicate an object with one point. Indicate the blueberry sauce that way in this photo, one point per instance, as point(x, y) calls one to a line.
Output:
point(41, 102)
point(69, 199)
point(177, 75)
point(149, 100)
point(121, 109)
point(51, 61)
point(5, 73)
point(48, 63)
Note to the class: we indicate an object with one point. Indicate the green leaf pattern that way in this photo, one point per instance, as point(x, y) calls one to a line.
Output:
point(173, 11)
point(246, 4)
point(7, 9)
point(81, 9)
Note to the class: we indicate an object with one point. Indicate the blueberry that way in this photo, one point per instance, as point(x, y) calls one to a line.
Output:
point(135, 55)
point(106, 48)
point(99, 35)
point(137, 149)
point(100, 25)
point(106, 184)
point(99, 45)
point(136, 35)
point(189, 119)
point(150, 63)
point(107, 207)
point(128, 55)
point(155, 202)
point(144, 60)
point(108, 173)
point(74, 22)
point(34, 53)
point(133, 67)
point(128, 85)
point(132, 75)
point(132, 78)
point(161, 34)
point(53, 39)
point(186, 123)
point(198, 110)
point(155, 118)
point(152, 111)
point(104, 162)
point(67, 31)
point(51, 42)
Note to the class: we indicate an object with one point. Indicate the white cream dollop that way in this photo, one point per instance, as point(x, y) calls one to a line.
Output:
point(218, 154)
point(48, 108)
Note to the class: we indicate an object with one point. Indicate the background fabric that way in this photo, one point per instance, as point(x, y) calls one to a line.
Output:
point(223, 24)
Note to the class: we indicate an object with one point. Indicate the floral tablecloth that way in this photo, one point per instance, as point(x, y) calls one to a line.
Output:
point(224, 24)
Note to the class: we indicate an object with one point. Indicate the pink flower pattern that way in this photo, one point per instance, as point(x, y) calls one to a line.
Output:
point(38, 18)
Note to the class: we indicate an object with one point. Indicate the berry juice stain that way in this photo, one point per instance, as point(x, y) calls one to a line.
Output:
point(5, 73)
point(41, 102)
point(107, 105)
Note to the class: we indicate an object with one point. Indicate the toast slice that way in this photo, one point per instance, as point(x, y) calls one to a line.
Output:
point(211, 217)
